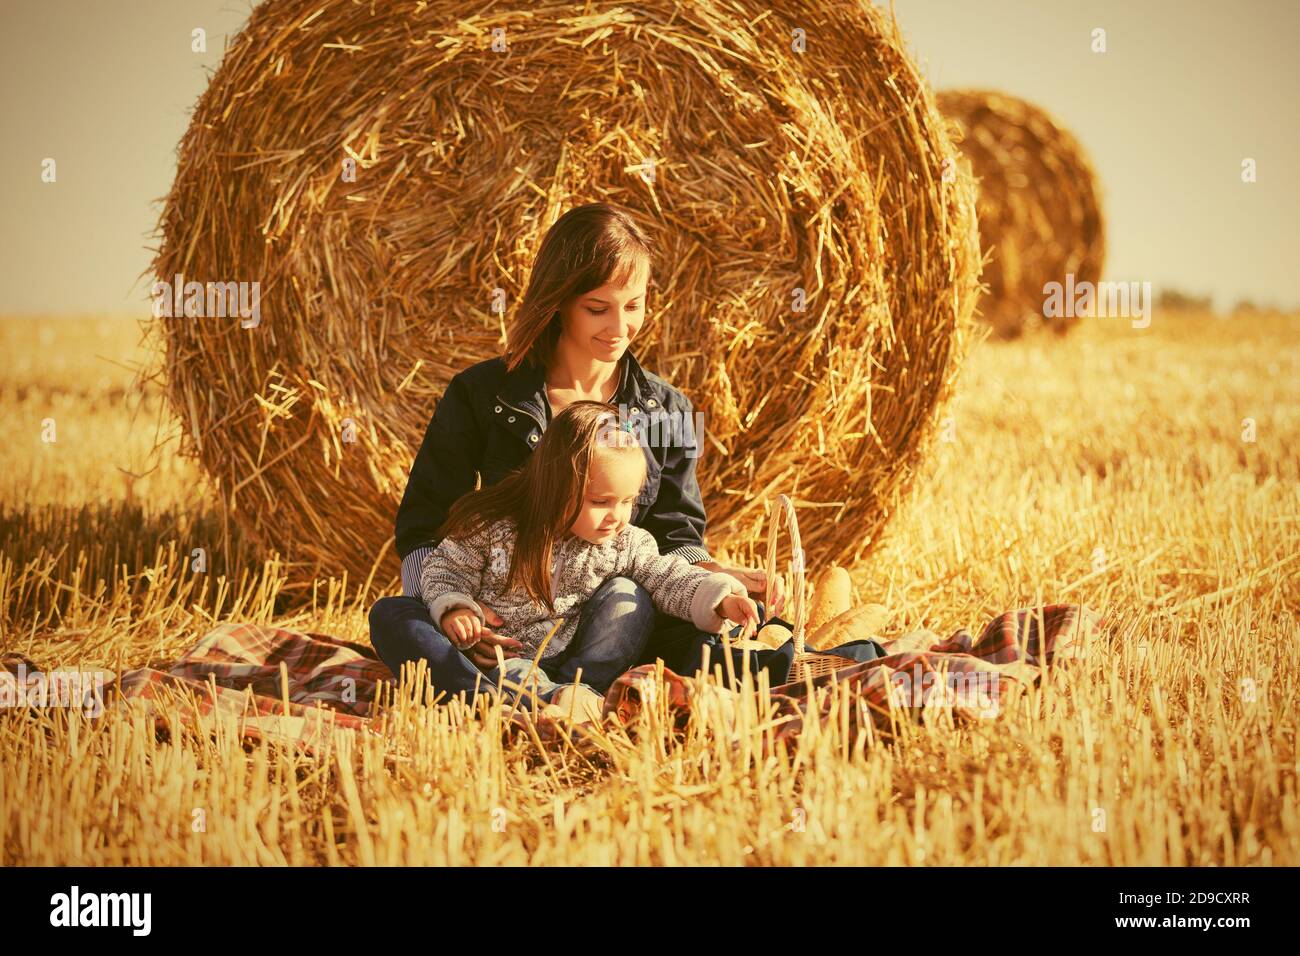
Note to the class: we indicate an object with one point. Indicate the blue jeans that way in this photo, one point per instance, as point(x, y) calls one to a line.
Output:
point(612, 632)
point(684, 648)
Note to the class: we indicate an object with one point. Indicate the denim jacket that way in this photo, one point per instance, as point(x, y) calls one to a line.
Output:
point(487, 421)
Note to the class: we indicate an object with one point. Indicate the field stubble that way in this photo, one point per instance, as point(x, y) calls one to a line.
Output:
point(1112, 468)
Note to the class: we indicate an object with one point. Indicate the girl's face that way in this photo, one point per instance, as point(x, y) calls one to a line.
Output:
point(613, 483)
point(602, 323)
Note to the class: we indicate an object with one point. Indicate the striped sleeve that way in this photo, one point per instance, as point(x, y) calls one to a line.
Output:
point(691, 553)
point(411, 565)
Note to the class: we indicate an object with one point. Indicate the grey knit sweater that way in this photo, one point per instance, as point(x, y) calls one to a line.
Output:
point(456, 573)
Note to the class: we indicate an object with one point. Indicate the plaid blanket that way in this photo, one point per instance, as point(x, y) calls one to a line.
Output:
point(296, 688)
point(969, 677)
point(259, 682)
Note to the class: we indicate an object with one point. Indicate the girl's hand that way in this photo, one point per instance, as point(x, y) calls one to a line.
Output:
point(743, 610)
point(493, 619)
point(462, 627)
point(755, 582)
point(481, 643)
point(483, 655)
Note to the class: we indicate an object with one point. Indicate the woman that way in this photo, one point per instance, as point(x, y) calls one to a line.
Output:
point(584, 304)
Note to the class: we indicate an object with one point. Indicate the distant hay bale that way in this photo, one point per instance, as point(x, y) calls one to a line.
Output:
point(812, 282)
point(1039, 205)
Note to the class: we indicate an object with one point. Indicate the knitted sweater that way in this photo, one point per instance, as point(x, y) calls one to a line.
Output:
point(456, 573)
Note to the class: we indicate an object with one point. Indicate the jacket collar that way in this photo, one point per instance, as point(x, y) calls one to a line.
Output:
point(525, 388)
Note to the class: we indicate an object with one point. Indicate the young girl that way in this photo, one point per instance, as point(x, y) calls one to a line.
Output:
point(538, 543)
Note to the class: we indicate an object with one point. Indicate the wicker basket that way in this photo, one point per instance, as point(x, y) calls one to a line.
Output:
point(805, 665)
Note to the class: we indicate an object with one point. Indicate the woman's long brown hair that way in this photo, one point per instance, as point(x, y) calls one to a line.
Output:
point(545, 496)
point(584, 249)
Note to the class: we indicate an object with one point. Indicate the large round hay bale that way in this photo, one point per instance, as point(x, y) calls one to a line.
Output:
point(812, 280)
point(1039, 205)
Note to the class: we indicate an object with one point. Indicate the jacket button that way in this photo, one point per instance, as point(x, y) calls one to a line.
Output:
point(532, 438)
point(498, 409)
point(511, 418)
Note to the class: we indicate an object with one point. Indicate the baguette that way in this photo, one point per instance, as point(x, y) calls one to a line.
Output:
point(832, 596)
point(855, 624)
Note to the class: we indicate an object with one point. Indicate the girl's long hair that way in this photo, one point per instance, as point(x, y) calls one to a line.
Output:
point(584, 249)
point(544, 497)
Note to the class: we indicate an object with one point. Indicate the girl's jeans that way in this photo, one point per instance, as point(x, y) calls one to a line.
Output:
point(612, 633)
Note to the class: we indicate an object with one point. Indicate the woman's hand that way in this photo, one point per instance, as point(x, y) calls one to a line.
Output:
point(743, 610)
point(483, 655)
point(755, 582)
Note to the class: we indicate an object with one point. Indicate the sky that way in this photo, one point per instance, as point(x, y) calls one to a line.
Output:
point(1184, 92)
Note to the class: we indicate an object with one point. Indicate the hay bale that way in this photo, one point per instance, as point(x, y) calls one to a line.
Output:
point(1039, 205)
point(375, 292)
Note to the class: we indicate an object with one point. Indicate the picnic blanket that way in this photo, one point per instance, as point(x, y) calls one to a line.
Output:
point(262, 682)
point(970, 677)
point(297, 688)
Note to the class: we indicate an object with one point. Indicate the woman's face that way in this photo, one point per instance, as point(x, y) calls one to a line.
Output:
point(602, 323)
